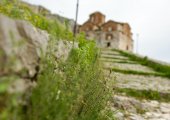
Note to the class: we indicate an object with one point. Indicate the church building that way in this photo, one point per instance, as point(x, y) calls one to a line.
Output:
point(108, 34)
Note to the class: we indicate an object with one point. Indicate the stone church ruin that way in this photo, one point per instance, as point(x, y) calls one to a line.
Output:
point(108, 34)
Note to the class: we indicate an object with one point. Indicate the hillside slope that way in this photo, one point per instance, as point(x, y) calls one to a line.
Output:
point(140, 92)
point(43, 75)
point(38, 9)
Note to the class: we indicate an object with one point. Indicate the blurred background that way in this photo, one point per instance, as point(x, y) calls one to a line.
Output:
point(149, 19)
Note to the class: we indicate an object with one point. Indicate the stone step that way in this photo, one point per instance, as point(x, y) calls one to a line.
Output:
point(128, 66)
point(140, 82)
point(118, 61)
point(110, 52)
point(115, 57)
point(140, 93)
point(129, 108)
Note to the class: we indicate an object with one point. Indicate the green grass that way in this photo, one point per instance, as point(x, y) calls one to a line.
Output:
point(163, 69)
point(144, 94)
point(77, 94)
point(121, 61)
point(137, 72)
point(17, 10)
point(112, 58)
point(73, 89)
point(5, 82)
point(3, 97)
point(111, 54)
point(8, 102)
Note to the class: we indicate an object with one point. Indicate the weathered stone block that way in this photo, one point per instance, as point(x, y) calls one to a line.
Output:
point(21, 46)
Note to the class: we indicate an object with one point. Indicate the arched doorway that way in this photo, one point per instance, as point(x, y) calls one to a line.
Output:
point(108, 44)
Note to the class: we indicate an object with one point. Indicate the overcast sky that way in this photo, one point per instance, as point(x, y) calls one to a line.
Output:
point(148, 18)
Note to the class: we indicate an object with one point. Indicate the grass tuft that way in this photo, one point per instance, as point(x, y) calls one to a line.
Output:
point(144, 94)
point(137, 72)
point(158, 67)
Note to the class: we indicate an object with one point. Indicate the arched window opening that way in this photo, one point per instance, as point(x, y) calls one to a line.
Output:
point(109, 37)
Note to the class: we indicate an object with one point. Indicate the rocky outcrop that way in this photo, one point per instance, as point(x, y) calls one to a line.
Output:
point(21, 47)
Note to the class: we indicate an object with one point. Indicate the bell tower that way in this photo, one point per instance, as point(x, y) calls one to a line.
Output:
point(97, 18)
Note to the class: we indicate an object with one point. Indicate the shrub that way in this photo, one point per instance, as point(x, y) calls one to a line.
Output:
point(77, 93)
point(73, 89)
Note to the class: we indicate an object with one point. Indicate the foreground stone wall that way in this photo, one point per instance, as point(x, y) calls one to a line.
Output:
point(23, 51)
point(22, 47)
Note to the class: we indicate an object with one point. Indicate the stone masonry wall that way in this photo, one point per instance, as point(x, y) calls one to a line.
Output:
point(22, 47)
point(109, 34)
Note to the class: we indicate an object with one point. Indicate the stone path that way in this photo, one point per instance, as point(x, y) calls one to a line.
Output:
point(129, 107)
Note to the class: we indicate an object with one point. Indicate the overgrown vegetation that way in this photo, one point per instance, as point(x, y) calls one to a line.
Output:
point(144, 94)
point(17, 10)
point(163, 69)
point(73, 89)
point(9, 102)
